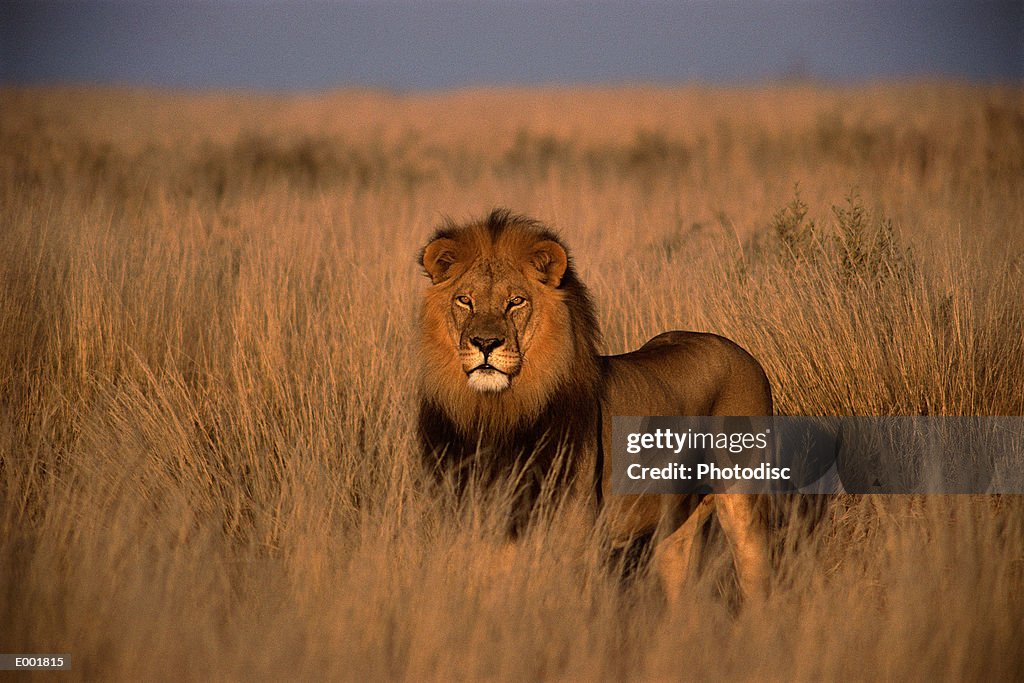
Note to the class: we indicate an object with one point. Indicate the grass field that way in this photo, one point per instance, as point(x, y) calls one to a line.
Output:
point(208, 369)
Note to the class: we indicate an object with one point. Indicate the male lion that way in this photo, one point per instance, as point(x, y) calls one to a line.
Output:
point(513, 385)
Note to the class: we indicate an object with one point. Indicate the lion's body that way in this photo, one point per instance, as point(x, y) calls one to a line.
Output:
point(675, 373)
point(512, 383)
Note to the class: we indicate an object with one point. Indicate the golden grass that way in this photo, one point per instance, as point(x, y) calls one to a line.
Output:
point(207, 371)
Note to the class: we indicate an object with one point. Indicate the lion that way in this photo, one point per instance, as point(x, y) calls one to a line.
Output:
point(512, 384)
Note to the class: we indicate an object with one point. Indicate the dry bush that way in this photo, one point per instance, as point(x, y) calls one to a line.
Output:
point(207, 370)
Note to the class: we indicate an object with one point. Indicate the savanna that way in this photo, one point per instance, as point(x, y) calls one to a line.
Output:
point(208, 462)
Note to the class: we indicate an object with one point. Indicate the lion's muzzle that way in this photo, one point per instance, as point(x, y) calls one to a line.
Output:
point(489, 363)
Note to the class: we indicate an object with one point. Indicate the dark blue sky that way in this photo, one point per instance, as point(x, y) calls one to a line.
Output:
point(431, 44)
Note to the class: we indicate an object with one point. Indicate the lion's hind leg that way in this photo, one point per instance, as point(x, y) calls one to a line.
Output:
point(674, 554)
point(748, 540)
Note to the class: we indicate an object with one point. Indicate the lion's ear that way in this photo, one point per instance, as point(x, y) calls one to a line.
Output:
point(438, 257)
point(550, 259)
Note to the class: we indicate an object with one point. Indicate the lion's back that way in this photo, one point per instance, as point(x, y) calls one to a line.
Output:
point(686, 373)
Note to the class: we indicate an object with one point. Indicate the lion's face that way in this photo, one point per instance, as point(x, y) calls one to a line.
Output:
point(491, 311)
point(495, 299)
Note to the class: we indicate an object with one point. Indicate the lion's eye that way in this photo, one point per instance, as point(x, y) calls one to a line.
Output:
point(465, 301)
point(516, 301)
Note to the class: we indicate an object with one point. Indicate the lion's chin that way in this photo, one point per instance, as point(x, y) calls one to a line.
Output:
point(490, 381)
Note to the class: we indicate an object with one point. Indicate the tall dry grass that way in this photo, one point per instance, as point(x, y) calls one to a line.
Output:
point(207, 371)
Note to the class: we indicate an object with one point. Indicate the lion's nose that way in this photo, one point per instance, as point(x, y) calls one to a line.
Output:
point(486, 345)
